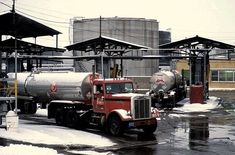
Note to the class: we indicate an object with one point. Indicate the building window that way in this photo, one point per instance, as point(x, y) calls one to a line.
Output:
point(229, 75)
point(214, 75)
point(222, 75)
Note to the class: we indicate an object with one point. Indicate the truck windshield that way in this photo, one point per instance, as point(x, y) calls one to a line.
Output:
point(113, 88)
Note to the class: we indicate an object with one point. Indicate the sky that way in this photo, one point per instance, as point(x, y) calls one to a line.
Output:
point(213, 19)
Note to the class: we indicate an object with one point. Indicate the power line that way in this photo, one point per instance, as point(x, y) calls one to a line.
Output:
point(69, 23)
point(42, 18)
point(96, 31)
point(5, 4)
point(43, 9)
point(33, 11)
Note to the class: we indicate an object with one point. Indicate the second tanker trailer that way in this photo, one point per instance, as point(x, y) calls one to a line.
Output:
point(167, 88)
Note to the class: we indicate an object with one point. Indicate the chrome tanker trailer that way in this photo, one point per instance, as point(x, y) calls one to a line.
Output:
point(84, 99)
point(167, 88)
point(39, 87)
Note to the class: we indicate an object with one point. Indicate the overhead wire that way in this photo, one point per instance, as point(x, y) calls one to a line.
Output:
point(5, 4)
point(42, 18)
point(83, 29)
point(42, 13)
point(40, 8)
point(58, 22)
point(96, 31)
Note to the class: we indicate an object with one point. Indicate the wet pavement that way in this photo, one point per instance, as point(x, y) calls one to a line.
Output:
point(208, 133)
point(200, 133)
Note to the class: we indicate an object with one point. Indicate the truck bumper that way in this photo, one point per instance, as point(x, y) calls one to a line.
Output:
point(141, 123)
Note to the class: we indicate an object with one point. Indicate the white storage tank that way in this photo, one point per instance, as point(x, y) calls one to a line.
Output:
point(134, 30)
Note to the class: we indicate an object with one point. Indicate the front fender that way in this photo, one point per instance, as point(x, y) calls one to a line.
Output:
point(123, 114)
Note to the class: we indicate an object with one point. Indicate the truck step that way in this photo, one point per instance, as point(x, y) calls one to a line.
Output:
point(93, 124)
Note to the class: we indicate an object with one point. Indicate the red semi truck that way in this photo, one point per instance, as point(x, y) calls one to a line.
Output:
point(84, 99)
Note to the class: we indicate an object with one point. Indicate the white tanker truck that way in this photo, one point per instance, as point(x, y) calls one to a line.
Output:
point(167, 88)
point(84, 99)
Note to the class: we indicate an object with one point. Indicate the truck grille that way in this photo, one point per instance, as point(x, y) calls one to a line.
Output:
point(141, 108)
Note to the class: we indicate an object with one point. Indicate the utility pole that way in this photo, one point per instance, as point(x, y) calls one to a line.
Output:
point(15, 35)
point(100, 26)
point(13, 6)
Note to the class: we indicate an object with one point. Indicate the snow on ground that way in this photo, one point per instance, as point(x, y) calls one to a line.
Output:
point(55, 135)
point(26, 150)
point(51, 134)
point(41, 112)
point(48, 134)
point(187, 108)
point(89, 152)
point(211, 103)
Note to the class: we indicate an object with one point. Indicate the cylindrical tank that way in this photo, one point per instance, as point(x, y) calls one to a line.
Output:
point(164, 80)
point(45, 86)
point(133, 30)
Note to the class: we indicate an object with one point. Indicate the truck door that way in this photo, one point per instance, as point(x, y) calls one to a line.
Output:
point(99, 105)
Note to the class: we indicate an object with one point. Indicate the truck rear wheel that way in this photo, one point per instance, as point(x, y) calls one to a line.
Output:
point(59, 117)
point(32, 108)
point(27, 107)
point(115, 126)
point(71, 119)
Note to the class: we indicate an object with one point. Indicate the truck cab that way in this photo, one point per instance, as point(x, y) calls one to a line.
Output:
point(105, 91)
point(121, 107)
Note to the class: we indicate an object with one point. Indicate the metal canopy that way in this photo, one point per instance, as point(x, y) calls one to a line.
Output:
point(195, 46)
point(103, 42)
point(25, 47)
point(195, 41)
point(24, 27)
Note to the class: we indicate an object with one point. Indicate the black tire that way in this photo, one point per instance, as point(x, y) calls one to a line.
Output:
point(0, 120)
point(22, 107)
point(115, 126)
point(59, 117)
point(32, 108)
point(71, 119)
point(150, 129)
point(27, 107)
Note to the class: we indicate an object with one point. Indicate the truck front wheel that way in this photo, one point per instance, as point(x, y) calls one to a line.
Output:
point(115, 126)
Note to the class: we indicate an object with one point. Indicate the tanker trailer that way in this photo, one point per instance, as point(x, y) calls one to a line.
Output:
point(167, 88)
point(43, 87)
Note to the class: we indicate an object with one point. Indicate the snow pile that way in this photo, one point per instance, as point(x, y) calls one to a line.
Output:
point(90, 153)
point(46, 134)
point(211, 103)
point(26, 150)
point(51, 134)
point(41, 112)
